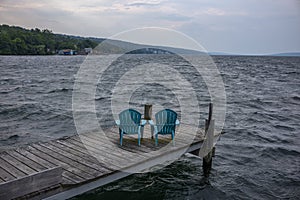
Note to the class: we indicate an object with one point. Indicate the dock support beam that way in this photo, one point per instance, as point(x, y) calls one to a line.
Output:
point(207, 164)
point(209, 133)
point(207, 150)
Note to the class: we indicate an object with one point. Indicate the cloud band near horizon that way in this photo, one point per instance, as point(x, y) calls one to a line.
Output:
point(244, 27)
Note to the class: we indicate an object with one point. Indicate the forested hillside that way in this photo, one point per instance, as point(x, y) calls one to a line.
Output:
point(19, 41)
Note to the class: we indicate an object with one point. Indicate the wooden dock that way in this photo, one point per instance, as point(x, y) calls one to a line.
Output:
point(69, 166)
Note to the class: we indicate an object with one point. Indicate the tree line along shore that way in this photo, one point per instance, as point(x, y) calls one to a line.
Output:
point(20, 41)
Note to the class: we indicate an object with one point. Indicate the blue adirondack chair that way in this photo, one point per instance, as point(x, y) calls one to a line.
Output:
point(165, 123)
point(130, 123)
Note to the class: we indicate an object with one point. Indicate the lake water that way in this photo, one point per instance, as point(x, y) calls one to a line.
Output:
point(258, 156)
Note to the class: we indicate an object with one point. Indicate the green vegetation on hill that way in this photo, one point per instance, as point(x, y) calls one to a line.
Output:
point(19, 41)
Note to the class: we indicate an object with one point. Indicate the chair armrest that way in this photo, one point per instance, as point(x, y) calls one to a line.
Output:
point(151, 122)
point(177, 122)
point(118, 122)
point(143, 122)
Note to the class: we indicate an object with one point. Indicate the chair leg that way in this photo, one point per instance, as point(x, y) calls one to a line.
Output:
point(173, 141)
point(121, 139)
point(121, 135)
point(152, 130)
point(139, 139)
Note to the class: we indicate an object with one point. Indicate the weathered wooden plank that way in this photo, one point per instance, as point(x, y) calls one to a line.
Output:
point(103, 156)
point(185, 137)
point(125, 158)
point(129, 144)
point(148, 147)
point(180, 139)
point(114, 138)
point(72, 170)
point(36, 158)
point(34, 165)
point(76, 168)
point(44, 163)
point(76, 157)
point(16, 163)
point(130, 147)
point(100, 147)
point(83, 160)
point(190, 130)
point(5, 176)
point(88, 159)
point(79, 146)
point(11, 169)
point(115, 151)
point(31, 183)
point(162, 142)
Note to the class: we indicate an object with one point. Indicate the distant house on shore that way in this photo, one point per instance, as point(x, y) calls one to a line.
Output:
point(67, 52)
point(88, 50)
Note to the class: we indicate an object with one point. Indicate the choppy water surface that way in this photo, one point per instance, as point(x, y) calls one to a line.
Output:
point(258, 156)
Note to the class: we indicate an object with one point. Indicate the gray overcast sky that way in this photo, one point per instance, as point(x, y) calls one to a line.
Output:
point(237, 26)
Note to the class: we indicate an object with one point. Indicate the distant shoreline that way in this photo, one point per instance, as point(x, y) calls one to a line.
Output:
point(18, 41)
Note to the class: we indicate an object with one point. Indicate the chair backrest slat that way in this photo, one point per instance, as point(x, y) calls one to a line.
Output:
point(165, 121)
point(130, 121)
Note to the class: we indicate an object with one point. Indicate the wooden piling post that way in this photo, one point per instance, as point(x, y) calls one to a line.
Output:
point(207, 151)
point(148, 115)
point(207, 164)
point(209, 131)
point(148, 112)
point(210, 111)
